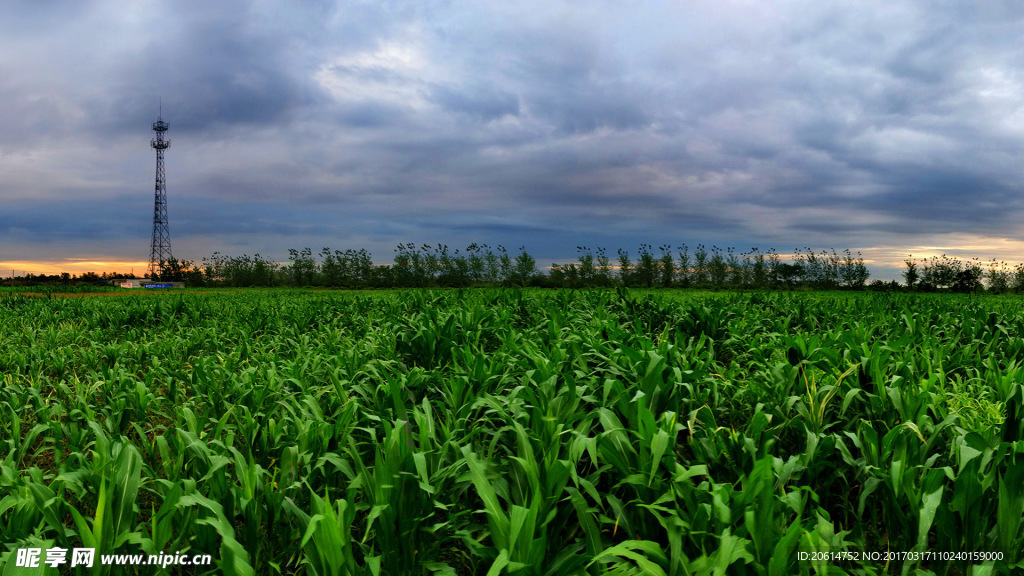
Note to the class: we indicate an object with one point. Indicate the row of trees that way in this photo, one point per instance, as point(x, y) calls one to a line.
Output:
point(666, 266)
point(64, 279)
point(715, 268)
point(413, 266)
point(480, 264)
point(947, 273)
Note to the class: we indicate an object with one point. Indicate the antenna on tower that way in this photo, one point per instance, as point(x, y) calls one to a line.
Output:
point(160, 248)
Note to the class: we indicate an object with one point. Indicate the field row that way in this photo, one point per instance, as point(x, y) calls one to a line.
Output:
point(518, 432)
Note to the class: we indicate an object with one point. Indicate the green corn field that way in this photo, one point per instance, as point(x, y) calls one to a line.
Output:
point(487, 432)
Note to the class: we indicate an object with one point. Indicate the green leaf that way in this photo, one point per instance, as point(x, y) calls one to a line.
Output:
point(930, 501)
point(496, 517)
point(645, 554)
point(658, 446)
point(499, 564)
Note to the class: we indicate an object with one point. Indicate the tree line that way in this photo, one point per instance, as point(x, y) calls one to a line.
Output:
point(482, 265)
point(716, 268)
point(28, 279)
point(950, 274)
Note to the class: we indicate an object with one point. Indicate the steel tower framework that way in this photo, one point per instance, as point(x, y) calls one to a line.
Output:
point(160, 249)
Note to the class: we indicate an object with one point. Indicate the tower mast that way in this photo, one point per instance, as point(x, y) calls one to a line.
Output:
point(160, 249)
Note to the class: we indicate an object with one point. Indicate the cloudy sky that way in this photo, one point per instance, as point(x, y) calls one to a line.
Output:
point(891, 128)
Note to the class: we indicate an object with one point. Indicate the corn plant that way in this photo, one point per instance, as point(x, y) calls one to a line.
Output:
point(518, 431)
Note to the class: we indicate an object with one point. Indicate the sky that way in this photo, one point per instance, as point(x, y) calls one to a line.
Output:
point(887, 128)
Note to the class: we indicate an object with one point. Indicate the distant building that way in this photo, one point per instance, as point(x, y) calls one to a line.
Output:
point(145, 283)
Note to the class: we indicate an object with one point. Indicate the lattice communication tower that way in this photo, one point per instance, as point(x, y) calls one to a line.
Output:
point(160, 249)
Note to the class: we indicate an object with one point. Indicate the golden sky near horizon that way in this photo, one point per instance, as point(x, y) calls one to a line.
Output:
point(886, 261)
point(72, 266)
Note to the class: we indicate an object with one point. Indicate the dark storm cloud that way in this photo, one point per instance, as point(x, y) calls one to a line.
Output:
point(485, 104)
point(222, 65)
point(369, 115)
point(71, 219)
point(362, 124)
point(940, 196)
